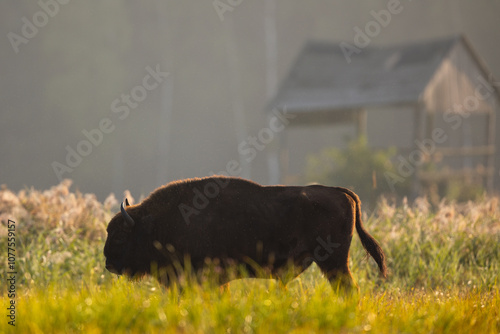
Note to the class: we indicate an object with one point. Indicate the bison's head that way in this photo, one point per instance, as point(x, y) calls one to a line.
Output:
point(127, 246)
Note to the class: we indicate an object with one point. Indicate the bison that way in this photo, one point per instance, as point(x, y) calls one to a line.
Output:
point(232, 221)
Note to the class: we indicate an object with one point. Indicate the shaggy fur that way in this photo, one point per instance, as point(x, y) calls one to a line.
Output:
point(234, 221)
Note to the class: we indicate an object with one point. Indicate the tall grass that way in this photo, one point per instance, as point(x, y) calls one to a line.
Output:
point(443, 277)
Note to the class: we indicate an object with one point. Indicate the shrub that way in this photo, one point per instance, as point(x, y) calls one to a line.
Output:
point(358, 167)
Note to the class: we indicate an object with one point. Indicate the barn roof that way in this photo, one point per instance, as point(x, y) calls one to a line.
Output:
point(323, 79)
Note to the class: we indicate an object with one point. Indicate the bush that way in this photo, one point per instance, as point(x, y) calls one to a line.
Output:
point(358, 167)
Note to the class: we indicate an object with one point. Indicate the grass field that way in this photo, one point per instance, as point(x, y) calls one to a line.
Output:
point(444, 264)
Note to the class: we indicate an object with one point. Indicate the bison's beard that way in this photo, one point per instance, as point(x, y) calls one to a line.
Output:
point(125, 271)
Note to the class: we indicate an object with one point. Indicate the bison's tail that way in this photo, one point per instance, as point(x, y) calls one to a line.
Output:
point(369, 243)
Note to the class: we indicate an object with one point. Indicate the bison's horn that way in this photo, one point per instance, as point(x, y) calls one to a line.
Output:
point(129, 222)
point(126, 202)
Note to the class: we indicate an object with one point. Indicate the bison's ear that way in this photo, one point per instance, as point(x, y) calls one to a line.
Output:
point(148, 223)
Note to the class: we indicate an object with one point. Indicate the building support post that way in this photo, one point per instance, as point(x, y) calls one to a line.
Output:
point(361, 125)
point(490, 159)
point(423, 127)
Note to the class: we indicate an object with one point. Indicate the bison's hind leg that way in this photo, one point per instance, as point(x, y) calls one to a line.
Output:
point(338, 274)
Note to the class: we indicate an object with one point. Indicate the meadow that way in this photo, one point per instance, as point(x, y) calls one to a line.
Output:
point(443, 260)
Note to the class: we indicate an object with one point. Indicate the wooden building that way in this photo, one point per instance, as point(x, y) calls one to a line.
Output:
point(433, 100)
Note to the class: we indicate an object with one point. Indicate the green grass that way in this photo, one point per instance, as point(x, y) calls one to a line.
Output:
point(443, 277)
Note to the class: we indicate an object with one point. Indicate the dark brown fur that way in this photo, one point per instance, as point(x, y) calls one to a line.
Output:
point(240, 222)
